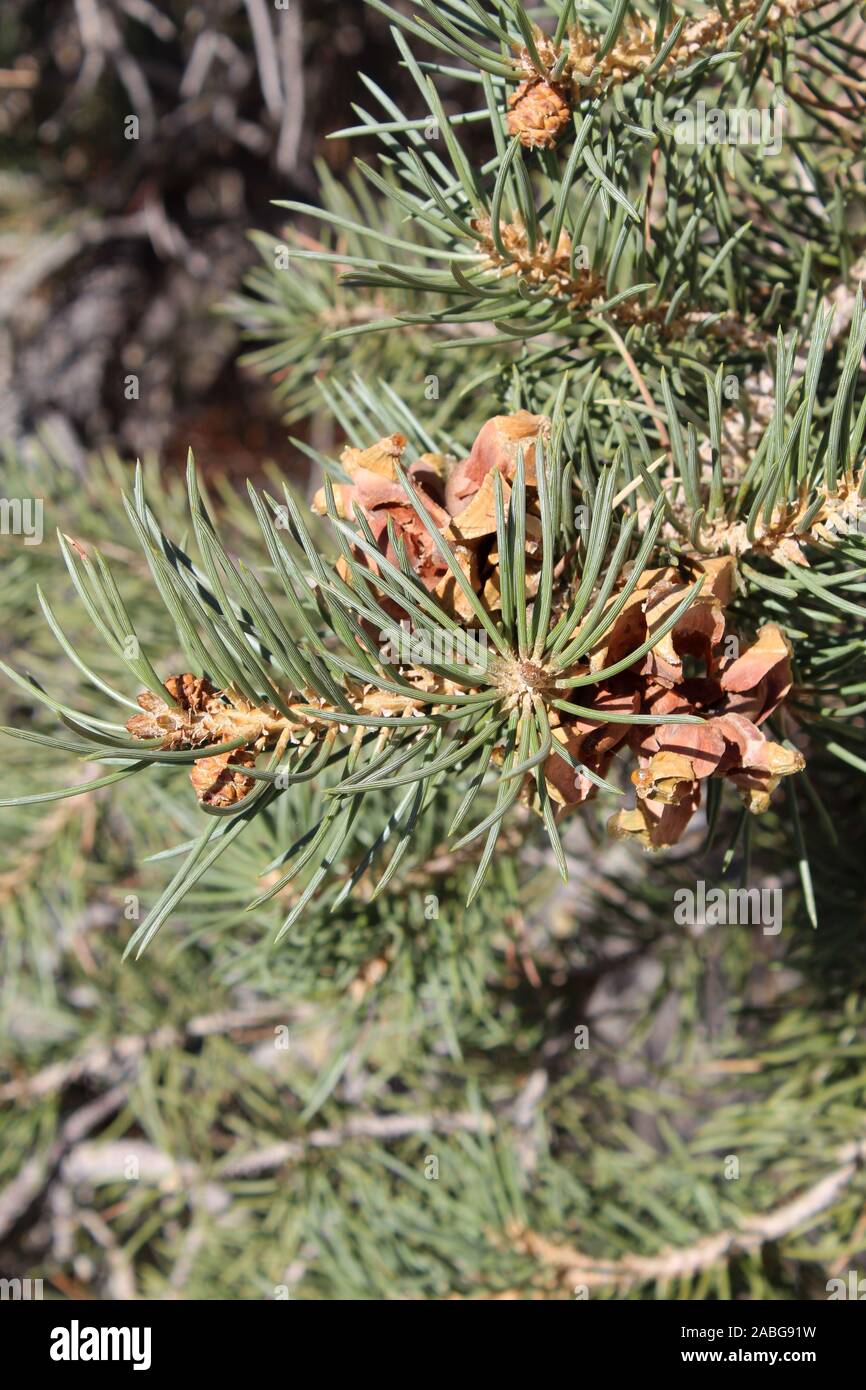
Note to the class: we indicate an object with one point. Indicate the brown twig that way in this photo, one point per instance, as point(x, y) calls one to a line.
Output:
point(572, 1267)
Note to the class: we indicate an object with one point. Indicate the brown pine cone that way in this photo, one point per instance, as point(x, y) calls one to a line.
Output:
point(538, 113)
point(176, 727)
point(215, 784)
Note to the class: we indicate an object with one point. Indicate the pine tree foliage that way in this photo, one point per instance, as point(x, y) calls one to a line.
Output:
point(584, 456)
point(297, 312)
point(300, 659)
point(694, 242)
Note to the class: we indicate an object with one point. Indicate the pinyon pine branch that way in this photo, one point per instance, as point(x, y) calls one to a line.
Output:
point(521, 605)
point(507, 619)
point(597, 198)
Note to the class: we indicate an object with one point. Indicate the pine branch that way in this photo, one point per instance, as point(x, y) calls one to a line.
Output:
point(468, 625)
point(546, 235)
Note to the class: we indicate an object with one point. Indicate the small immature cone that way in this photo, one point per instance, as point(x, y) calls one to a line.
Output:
point(538, 113)
point(206, 716)
point(179, 727)
point(216, 784)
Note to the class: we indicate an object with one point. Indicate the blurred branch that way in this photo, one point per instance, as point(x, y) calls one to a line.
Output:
point(25, 1187)
point(754, 1231)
